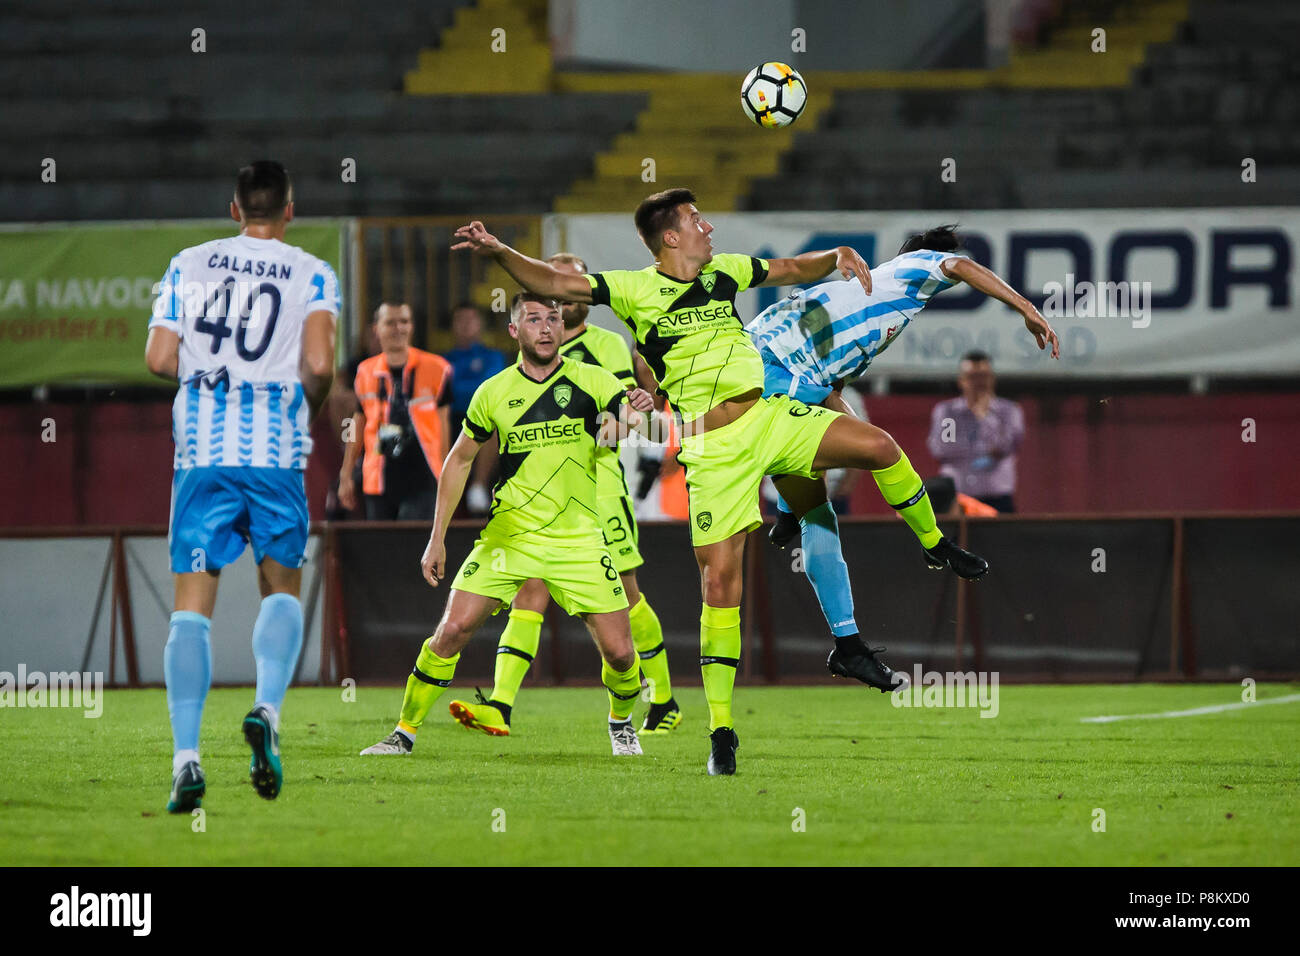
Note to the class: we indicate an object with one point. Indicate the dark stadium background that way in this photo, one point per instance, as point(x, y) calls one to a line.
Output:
point(1199, 526)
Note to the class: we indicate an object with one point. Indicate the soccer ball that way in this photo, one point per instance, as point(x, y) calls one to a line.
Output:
point(773, 95)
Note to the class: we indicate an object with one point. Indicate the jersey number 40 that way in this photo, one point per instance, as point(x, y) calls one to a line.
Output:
point(216, 316)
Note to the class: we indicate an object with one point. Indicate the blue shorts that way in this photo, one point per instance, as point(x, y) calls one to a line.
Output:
point(779, 380)
point(216, 511)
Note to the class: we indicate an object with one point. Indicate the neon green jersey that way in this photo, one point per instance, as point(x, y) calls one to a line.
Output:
point(689, 332)
point(548, 448)
point(597, 346)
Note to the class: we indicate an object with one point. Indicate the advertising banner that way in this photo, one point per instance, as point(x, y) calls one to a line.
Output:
point(75, 300)
point(1131, 292)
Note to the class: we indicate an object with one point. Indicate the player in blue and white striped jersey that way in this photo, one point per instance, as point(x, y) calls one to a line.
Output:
point(245, 324)
point(816, 340)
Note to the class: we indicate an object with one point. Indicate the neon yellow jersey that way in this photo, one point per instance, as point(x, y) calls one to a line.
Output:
point(689, 332)
point(597, 346)
point(548, 435)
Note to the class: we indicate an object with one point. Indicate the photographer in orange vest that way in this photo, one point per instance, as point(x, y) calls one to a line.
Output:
point(403, 419)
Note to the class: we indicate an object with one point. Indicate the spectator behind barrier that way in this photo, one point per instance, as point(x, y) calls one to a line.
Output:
point(473, 362)
point(403, 396)
point(975, 437)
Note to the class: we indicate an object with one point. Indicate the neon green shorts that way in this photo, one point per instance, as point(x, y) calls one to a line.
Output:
point(581, 577)
point(779, 435)
point(618, 524)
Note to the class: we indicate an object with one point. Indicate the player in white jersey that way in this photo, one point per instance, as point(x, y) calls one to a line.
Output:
point(816, 340)
point(245, 324)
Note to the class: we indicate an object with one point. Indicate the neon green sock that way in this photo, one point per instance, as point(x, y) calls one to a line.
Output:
point(431, 676)
point(719, 658)
point(648, 638)
point(624, 688)
point(515, 653)
point(903, 490)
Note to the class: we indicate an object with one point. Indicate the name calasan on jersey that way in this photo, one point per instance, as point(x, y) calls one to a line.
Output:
point(830, 332)
point(239, 305)
point(606, 349)
point(689, 333)
point(548, 433)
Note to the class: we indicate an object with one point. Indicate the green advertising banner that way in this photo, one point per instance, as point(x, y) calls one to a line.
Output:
point(75, 300)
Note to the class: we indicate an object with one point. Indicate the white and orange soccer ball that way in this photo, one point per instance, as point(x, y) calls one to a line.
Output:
point(773, 95)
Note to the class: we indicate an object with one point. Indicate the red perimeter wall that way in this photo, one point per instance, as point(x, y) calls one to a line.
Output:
point(111, 461)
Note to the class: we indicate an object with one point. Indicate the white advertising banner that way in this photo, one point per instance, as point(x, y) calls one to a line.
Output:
point(1131, 292)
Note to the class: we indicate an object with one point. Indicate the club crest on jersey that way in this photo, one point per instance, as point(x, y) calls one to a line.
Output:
point(563, 392)
point(707, 279)
point(578, 355)
point(470, 569)
point(705, 520)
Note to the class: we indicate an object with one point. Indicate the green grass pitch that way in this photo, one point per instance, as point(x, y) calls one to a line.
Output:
point(876, 785)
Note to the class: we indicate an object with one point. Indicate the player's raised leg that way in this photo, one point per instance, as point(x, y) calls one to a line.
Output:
point(621, 675)
point(851, 443)
point(516, 651)
point(187, 670)
point(435, 667)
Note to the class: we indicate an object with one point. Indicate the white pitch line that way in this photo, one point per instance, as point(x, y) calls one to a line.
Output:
point(1195, 711)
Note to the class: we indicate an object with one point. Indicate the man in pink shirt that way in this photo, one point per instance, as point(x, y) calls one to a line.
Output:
point(975, 437)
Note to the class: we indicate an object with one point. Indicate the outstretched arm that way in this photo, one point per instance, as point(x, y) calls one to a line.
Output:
point(533, 274)
point(988, 282)
point(812, 266)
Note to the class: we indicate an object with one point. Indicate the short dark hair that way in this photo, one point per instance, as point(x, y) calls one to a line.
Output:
point(977, 355)
point(517, 303)
point(938, 239)
point(659, 212)
point(263, 190)
point(394, 304)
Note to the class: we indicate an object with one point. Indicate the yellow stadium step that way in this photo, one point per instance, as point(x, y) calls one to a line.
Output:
point(1123, 14)
point(1069, 58)
point(494, 46)
point(694, 130)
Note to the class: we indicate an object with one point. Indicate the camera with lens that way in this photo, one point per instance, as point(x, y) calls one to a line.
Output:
point(393, 440)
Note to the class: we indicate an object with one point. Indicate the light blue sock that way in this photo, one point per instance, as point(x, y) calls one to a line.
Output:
point(187, 669)
point(277, 639)
point(824, 564)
